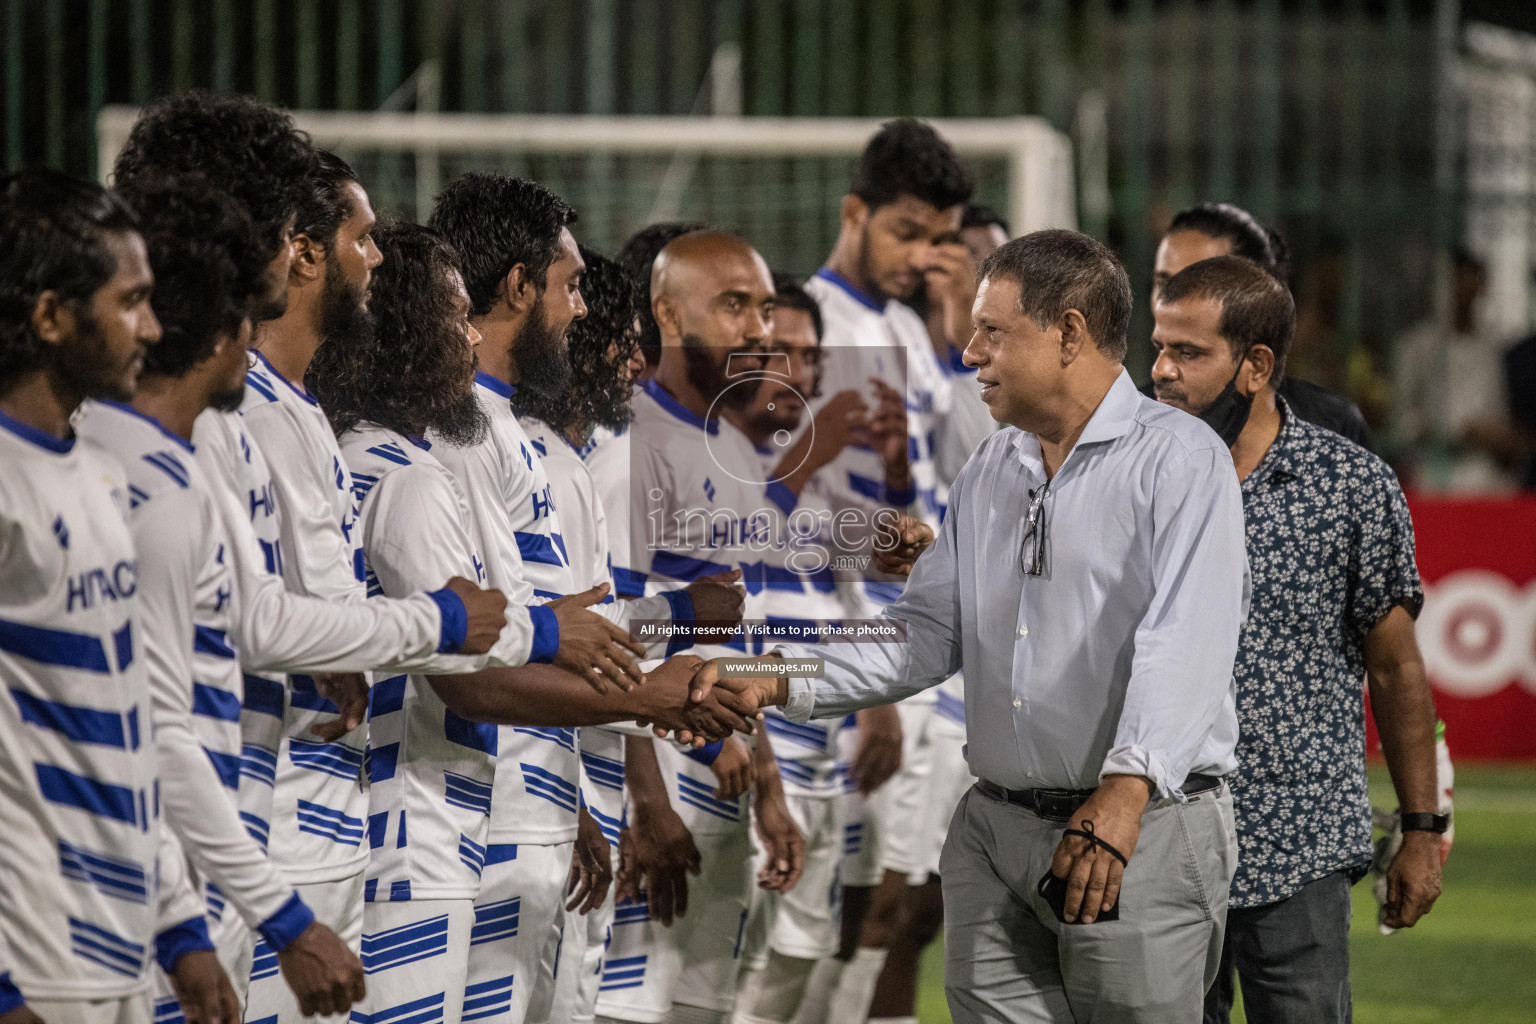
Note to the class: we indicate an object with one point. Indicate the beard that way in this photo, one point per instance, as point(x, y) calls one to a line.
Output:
point(344, 315)
point(228, 401)
point(86, 364)
point(608, 401)
point(543, 363)
point(462, 422)
point(709, 379)
point(867, 271)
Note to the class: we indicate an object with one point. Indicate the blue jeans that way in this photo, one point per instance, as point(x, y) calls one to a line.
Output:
point(1292, 958)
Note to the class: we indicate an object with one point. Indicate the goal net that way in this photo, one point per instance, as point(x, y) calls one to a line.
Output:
point(778, 181)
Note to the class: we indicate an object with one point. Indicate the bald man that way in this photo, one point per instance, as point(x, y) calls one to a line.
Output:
point(699, 506)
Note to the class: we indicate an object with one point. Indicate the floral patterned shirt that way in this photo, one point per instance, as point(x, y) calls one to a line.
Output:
point(1330, 546)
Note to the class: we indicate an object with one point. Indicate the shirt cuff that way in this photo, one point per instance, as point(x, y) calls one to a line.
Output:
point(287, 924)
point(455, 620)
point(900, 498)
point(546, 633)
point(1136, 760)
point(10, 996)
point(705, 755)
point(801, 700)
point(681, 603)
point(171, 945)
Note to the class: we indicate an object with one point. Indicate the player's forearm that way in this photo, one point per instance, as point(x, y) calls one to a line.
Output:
point(642, 775)
point(1405, 720)
point(542, 695)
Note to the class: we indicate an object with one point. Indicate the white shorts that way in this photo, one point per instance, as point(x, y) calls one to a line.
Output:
point(695, 962)
point(580, 968)
point(516, 938)
point(337, 905)
point(416, 958)
point(805, 922)
point(134, 1009)
point(866, 834)
point(925, 799)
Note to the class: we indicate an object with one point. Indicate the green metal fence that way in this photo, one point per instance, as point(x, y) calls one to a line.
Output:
point(1320, 117)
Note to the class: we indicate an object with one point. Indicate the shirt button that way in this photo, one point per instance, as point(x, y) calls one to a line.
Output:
point(1029, 775)
point(1017, 702)
point(1023, 631)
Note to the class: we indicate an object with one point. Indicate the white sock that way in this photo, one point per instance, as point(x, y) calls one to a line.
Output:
point(777, 992)
point(856, 988)
point(748, 983)
point(818, 991)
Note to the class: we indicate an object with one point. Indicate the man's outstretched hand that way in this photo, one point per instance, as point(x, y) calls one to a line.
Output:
point(594, 648)
point(665, 703)
point(744, 695)
point(487, 612)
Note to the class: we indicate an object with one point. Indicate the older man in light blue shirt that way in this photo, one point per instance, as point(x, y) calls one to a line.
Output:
point(1091, 579)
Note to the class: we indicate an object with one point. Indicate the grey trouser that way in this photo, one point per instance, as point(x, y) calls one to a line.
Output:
point(1009, 960)
point(1292, 958)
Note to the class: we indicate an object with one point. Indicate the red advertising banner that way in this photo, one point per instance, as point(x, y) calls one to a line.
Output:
point(1478, 628)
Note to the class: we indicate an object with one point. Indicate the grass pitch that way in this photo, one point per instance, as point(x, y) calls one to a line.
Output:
point(1472, 959)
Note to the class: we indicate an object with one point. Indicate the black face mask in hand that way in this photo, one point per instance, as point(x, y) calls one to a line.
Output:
point(1228, 413)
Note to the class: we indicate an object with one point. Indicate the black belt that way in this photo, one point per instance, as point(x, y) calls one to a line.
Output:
point(1061, 804)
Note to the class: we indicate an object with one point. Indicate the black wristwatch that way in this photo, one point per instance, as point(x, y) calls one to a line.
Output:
point(1426, 822)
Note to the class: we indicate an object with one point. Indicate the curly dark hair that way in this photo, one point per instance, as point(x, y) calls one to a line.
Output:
point(908, 158)
point(326, 203)
point(637, 258)
point(599, 392)
point(1250, 239)
point(496, 222)
point(55, 229)
point(414, 373)
point(203, 254)
point(245, 147)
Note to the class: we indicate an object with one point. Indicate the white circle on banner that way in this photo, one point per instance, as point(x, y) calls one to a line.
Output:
point(1476, 633)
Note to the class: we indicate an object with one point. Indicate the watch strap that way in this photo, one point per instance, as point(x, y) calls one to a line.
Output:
point(1421, 822)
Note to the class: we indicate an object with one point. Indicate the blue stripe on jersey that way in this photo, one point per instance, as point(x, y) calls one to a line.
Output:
point(263, 696)
point(258, 382)
point(336, 759)
point(885, 593)
point(543, 548)
point(212, 642)
point(546, 784)
point(872, 489)
point(82, 725)
point(950, 707)
point(853, 838)
point(794, 771)
point(609, 826)
point(628, 582)
point(779, 578)
point(136, 496)
point(496, 920)
point(322, 821)
point(564, 737)
point(379, 762)
point(463, 791)
point(304, 694)
point(807, 735)
point(212, 702)
point(702, 796)
point(168, 464)
point(113, 876)
point(426, 1010)
point(474, 735)
point(64, 787)
point(53, 646)
point(684, 567)
point(471, 853)
point(122, 640)
point(631, 912)
point(259, 764)
point(263, 961)
point(258, 829)
point(226, 766)
point(386, 696)
point(500, 853)
point(488, 998)
point(624, 972)
point(603, 771)
point(407, 944)
point(215, 901)
point(391, 453)
point(112, 951)
point(399, 892)
point(168, 1011)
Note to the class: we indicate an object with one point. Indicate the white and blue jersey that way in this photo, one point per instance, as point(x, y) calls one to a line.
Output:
point(78, 800)
point(430, 771)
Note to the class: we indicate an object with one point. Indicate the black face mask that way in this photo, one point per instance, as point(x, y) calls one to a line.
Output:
point(1228, 412)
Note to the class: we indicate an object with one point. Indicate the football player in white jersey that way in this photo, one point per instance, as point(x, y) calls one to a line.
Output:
point(432, 748)
point(523, 270)
point(703, 508)
point(83, 903)
point(905, 202)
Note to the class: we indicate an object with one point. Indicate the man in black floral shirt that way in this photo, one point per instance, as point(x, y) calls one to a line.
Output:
point(1335, 593)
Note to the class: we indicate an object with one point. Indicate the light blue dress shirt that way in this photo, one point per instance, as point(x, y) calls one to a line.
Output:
point(1118, 659)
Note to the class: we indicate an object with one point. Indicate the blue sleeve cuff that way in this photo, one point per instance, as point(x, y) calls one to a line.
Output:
point(546, 633)
point(706, 755)
point(780, 494)
point(287, 924)
point(178, 940)
point(10, 995)
point(902, 498)
point(681, 603)
point(455, 620)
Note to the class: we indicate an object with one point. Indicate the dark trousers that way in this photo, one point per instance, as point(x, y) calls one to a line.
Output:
point(1291, 957)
